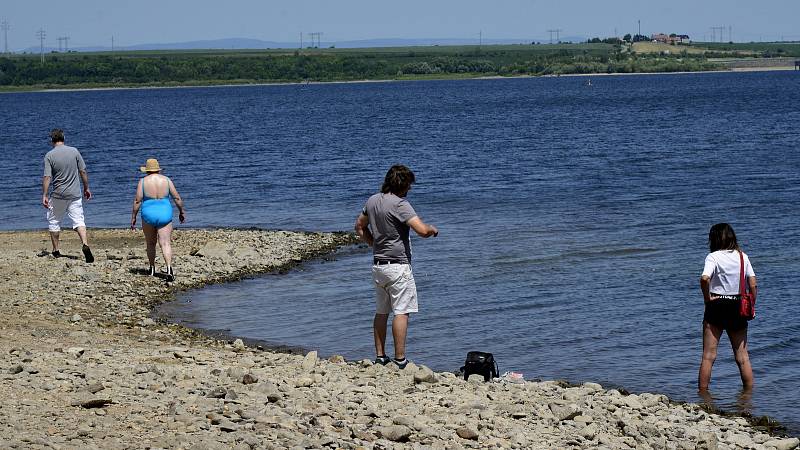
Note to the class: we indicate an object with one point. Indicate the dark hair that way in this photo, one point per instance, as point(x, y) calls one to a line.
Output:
point(398, 180)
point(56, 135)
point(722, 237)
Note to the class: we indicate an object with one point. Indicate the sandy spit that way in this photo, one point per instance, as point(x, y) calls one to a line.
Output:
point(82, 365)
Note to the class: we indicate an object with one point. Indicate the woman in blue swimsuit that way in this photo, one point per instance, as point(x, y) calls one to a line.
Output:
point(153, 198)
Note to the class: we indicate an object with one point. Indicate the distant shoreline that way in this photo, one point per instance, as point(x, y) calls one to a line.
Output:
point(388, 80)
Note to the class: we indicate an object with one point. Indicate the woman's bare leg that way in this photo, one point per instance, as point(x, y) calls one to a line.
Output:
point(711, 335)
point(165, 242)
point(150, 239)
point(739, 344)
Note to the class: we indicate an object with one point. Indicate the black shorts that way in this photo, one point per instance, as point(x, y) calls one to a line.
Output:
point(724, 313)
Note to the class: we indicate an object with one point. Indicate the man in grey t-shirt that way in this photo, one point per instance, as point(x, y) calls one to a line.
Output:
point(65, 169)
point(384, 224)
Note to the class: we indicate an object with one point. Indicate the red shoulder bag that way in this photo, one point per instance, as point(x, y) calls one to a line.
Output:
point(747, 304)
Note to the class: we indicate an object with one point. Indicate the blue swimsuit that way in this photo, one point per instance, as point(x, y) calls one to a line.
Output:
point(156, 211)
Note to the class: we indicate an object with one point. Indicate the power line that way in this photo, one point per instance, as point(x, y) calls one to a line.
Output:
point(316, 35)
point(4, 26)
point(556, 31)
point(41, 35)
point(65, 40)
point(713, 33)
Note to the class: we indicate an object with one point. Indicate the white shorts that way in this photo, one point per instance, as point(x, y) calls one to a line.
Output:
point(395, 289)
point(59, 207)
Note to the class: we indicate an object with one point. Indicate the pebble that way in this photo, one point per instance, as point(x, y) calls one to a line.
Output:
point(424, 375)
point(395, 433)
point(467, 433)
point(238, 345)
point(309, 361)
point(783, 444)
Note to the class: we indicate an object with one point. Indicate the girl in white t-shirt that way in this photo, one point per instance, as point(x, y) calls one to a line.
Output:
point(720, 286)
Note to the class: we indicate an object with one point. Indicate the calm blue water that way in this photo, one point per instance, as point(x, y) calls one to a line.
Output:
point(573, 219)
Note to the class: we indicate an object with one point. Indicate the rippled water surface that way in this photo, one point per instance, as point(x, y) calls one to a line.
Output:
point(573, 219)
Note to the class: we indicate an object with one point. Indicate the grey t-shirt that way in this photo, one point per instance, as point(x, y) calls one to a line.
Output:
point(388, 214)
point(62, 164)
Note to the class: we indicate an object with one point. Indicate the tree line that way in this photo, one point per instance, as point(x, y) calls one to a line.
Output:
point(109, 70)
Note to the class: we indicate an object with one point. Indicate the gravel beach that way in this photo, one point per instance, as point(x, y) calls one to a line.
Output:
point(83, 365)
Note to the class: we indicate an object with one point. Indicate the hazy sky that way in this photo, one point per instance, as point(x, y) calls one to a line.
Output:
point(94, 22)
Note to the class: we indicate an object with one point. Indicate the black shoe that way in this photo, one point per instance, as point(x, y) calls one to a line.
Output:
point(401, 363)
point(56, 254)
point(87, 252)
point(170, 274)
point(382, 360)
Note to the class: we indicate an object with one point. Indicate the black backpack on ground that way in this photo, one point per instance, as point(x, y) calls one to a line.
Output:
point(481, 363)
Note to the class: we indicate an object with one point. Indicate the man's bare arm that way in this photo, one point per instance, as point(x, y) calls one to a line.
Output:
point(45, 188)
point(362, 229)
point(85, 178)
point(422, 228)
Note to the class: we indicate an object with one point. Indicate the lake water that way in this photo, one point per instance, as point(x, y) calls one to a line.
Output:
point(573, 219)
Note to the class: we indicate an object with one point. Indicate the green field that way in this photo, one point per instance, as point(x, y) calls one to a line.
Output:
point(758, 49)
point(209, 67)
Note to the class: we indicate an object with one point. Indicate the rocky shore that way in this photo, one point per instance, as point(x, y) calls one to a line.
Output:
point(83, 365)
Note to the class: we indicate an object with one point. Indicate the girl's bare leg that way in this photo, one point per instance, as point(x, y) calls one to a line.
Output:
point(739, 343)
point(711, 335)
